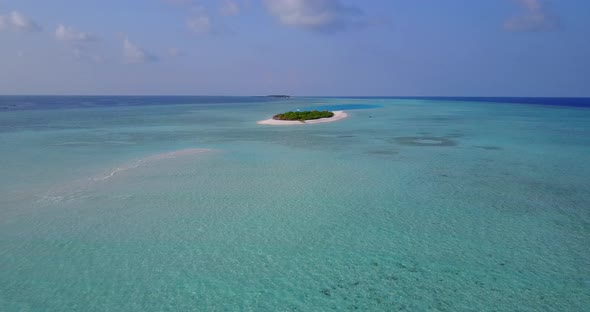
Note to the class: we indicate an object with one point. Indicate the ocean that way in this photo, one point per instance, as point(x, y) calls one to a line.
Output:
point(187, 204)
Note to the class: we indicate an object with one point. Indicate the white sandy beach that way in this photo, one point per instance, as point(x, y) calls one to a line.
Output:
point(338, 115)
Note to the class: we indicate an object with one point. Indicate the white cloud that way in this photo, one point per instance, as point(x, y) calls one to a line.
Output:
point(199, 22)
point(67, 33)
point(174, 52)
point(22, 22)
point(17, 21)
point(134, 54)
point(321, 15)
point(536, 18)
point(77, 52)
point(230, 8)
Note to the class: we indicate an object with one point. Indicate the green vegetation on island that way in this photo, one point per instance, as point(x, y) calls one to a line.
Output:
point(303, 116)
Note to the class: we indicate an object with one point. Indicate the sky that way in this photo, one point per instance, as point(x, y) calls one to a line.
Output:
point(296, 47)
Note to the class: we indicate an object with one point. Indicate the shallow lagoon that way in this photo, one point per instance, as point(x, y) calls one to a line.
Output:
point(416, 205)
point(341, 107)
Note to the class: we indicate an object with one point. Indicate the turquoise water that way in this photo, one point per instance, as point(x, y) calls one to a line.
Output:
point(337, 107)
point(417, 205)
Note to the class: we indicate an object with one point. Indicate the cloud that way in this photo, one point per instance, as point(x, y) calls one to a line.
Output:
point(67, 33)
point(17, 21)
point(135, 55)
point(536, 18)
point(199, 22)
point(230, 8)
point(318, 15)
point(174, 52)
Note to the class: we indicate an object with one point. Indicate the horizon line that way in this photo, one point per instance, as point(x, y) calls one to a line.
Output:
point(292, 96)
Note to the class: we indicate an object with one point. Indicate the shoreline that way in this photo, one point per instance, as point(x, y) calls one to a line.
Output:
point(338, 115)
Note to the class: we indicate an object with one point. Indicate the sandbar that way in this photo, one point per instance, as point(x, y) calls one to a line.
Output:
point(338, 115)
point(147, 160)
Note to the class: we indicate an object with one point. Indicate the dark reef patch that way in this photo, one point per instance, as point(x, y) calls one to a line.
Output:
point(455, 135)
point(382, 152)
point(488, 148)
point(425, 141)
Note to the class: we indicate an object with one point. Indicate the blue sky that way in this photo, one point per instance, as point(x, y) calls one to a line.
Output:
point(300, 47)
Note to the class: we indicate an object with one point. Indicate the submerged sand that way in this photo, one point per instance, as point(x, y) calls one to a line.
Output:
point(158, 157)
point(338, 115)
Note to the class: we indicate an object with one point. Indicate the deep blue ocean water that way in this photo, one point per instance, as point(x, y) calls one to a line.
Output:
point(187, 204)
point(55, 102)
point(550, 101)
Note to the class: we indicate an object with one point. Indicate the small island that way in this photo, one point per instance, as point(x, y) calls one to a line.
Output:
point(303, 116)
